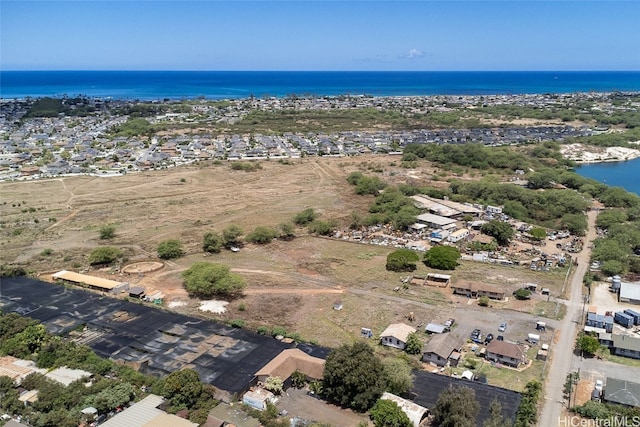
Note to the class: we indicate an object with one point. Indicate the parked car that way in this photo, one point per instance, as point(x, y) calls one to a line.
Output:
point(599, 385)
point(476, 336)
point(488, 339)
point(502, 327)
point(449, 323)
point(500, 338)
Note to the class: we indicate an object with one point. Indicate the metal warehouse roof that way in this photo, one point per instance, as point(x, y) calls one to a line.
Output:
point(146, 414)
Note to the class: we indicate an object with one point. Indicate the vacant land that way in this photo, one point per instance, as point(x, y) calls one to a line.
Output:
point(49, 225)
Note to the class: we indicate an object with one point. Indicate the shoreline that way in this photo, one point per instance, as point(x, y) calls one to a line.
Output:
point(584, 155)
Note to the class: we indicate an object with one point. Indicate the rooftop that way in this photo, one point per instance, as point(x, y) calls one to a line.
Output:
point(399, 331)
point(98, 282)
point(622, 391)
point(145, 413)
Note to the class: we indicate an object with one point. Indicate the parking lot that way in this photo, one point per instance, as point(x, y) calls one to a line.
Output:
point(470, 316)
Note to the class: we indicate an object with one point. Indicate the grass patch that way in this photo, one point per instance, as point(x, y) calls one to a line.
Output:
point(506, 377)
point(627, 361)
point(549, 309)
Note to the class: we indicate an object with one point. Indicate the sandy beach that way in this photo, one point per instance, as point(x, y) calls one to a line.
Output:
point(582, 153)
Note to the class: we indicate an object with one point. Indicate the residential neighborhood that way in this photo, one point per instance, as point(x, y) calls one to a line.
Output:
point(83, 144)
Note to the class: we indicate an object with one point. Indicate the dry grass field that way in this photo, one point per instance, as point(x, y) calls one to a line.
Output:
point(53, 224)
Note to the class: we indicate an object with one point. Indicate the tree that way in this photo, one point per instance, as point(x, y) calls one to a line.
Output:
point(574, 223)
point(499, 230)
point(287, 231)
point(456, 407)
point(107, 232)
point(182, 388)
point(298, 379)
point(442, 257)
point(104, 255)
point(398, 374)
point(587, 344)
point(353, 376)
point(522, 294)
point(414, 344)
point(232, 236)
point(402, 260)
point(111, 397)
point(274, 384)
point(212, 242)
point(369, 185)
point(261, 235)
point(496, 419)
point(26, 342)
point(609, 217)
point(538, 234)
point(323, 228)
point(612, 267)
point(386, 413)
point(204, 279)
point(305, 217)
point(170, 249)
point(483, 301)
point(527, 413)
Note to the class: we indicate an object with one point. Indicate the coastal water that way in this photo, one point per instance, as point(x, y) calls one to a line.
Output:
point(157, 85)
point(615, 174)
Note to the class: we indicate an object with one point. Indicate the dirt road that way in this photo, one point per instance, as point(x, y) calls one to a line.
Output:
point(562, 354)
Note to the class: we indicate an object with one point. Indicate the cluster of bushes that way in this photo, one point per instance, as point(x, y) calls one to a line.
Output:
point(309, 218)
point(607, 413)
point(278, 331)
point(472, 155)
point(246, 166)
point(52, 107)
point(619, 248)
point(558, 209)
point(135, 126)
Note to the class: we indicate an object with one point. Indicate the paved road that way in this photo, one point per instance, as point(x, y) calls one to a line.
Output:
point(562, 359)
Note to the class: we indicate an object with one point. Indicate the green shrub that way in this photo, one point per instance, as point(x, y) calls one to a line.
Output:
point(170, 249)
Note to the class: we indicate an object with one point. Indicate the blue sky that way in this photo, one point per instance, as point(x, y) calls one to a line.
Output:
point(319, 35)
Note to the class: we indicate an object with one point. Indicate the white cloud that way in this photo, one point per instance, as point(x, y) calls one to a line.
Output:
point(414, 53)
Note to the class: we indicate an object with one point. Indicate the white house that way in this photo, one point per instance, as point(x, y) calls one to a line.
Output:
point(396, 335)
point(458, 235)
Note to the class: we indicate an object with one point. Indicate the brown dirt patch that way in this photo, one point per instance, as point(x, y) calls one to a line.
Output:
point(583, 392)
point(142, 267)
point(292, 284)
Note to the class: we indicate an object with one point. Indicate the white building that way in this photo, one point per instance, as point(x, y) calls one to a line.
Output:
point(458, 235)
point(396, 335)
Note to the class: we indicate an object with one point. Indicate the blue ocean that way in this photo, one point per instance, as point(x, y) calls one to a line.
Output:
point(157, 85)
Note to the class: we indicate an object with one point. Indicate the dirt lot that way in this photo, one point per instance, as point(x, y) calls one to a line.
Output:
point(49, 225)
point(298, 404)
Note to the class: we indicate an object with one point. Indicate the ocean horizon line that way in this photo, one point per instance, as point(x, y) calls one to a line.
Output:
point(160, 70)
point(221, 84)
